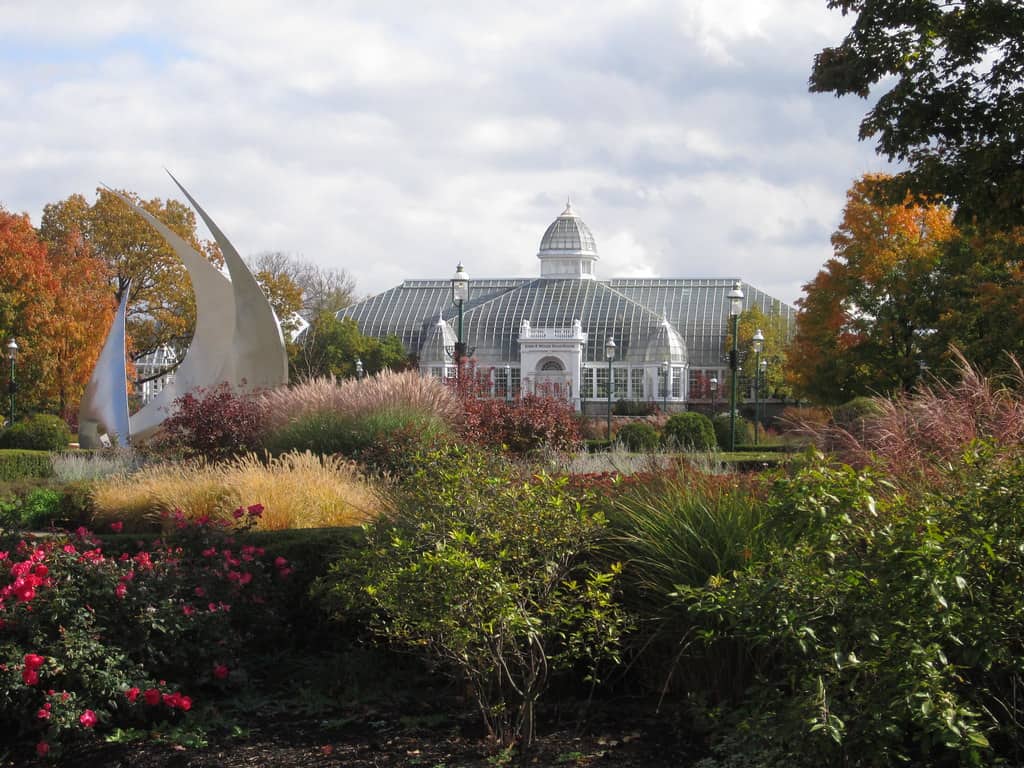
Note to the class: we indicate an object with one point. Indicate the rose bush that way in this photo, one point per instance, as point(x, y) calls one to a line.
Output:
point(92, 640)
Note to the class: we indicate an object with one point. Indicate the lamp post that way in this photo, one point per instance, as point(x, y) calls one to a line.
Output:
point(609, 353)
point(508, 383)
point(460, 295)
point(667, 367)
point(12, 385)
point(758, 344)
point(359, 369)
point(713, 384)
point(735, 307)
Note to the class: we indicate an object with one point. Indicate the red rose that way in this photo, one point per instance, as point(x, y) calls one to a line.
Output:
point(34, 661)
point(42, 749)
point(151, 696)
point(88, 718)
point(132, 694)
point(221, 671)
point(30, 676)
point(117, 527)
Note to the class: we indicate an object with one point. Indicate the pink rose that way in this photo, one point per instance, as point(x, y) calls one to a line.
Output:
point(88, 718)
point(117, 527)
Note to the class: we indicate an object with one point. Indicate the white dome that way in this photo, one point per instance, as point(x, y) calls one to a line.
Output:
point(567, 249)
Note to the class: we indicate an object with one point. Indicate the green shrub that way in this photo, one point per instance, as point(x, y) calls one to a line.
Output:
point(40, 432)
point(40, 508)
point(854, 415)
point(689, 431)
point(634, 408)
point(905, 606)
point(20, 464)
point(482, 567)
point(382, 438)
point(638, 436)
point(744, 430)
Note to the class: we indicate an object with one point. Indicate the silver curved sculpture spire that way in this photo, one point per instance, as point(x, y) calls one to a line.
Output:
point(237, 337)
point(103, 410)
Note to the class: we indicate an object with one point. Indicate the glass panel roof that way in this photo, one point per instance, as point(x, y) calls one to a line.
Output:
point(629, 309)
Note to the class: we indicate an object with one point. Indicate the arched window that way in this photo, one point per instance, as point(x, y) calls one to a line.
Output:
point(552, 364)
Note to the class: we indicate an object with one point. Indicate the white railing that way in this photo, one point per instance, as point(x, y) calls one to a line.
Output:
point(553, 333)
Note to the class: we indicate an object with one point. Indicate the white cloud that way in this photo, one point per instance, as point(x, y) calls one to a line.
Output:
point(395, 141)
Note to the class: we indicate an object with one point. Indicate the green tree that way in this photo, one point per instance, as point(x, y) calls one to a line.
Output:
point(953, 111)
point(778, 333)
point(867, 317)
point(330, 347)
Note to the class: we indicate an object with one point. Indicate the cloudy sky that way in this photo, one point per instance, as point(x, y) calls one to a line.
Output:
point(394, 139)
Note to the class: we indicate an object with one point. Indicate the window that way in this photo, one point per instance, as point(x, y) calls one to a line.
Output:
point(677, 383)
point(587, 383)
point(620, 392)
point(516, 385)
point(602, 382)
point(637, 383)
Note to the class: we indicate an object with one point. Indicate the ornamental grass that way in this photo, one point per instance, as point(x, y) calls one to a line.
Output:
point(386, 390)
point(297, 490)
point(915, 436)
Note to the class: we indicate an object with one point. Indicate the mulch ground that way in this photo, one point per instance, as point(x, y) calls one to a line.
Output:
point(376, 740)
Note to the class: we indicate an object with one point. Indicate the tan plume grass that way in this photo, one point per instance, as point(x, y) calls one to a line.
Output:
point(352, 397)
point(296, 491)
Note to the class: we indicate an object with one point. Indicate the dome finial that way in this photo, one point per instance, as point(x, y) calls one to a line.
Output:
point(568, 206)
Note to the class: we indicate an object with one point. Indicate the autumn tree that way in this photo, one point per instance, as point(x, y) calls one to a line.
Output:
point(84, 311)
point(27, 304)
point(161, 308)
point(323, 289)
point(954, 104)
point(866, 318)
point(331, 346)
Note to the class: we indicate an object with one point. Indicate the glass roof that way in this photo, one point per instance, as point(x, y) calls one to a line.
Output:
point(630, 310)
point(568, 233)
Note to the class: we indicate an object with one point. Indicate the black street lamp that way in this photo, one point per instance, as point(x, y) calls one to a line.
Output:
point(508, 383)
point(12, 384)
point(460, 295)
point(713, 384)
point(735, 307)
point(609, 353)
point(359, 369)
point(758, 344)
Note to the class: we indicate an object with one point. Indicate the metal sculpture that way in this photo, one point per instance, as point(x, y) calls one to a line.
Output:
point(237, 338)
point(103, 412)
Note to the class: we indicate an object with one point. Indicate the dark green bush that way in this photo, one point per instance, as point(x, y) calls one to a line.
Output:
point(634, 408)
point(689, 431)
point(638, 436)
point(854, 415)
point(20, 464)
point(744, 430)
point(40, 432)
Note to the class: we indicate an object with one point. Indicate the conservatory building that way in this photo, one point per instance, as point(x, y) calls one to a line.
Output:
point(551, 334)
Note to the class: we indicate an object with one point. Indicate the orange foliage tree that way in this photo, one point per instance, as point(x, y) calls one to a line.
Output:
point(27, 303)
point(78, 329)
point(867, 315)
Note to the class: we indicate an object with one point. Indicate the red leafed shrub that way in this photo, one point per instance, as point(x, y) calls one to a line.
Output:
point(523, 425)
point(214, 424)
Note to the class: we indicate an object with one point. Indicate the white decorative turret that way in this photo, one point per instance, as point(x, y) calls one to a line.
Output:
point(567, 250)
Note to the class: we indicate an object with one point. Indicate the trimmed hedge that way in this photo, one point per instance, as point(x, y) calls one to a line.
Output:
point(638, 436)
point(689, 431)
point(39, 432)
point(17, 464)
